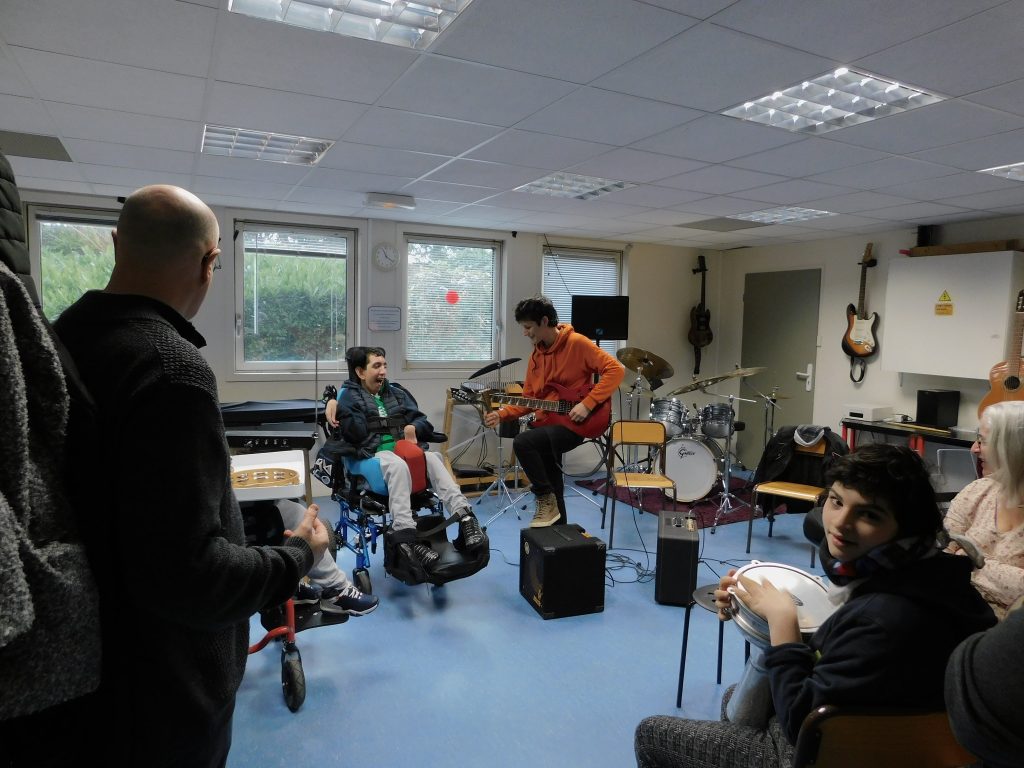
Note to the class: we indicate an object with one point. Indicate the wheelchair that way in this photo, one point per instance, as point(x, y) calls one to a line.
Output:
point(359, 489)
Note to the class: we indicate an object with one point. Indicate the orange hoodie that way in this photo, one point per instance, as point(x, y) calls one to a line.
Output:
point(571, 361)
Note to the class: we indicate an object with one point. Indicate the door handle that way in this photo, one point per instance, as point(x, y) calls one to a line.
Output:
point(807, 377)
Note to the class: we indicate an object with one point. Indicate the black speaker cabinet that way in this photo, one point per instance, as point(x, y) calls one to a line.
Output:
point(561, 570)
point(938, 407)
point(675, 576)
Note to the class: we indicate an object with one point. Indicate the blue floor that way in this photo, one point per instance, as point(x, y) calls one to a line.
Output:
point(469, 675)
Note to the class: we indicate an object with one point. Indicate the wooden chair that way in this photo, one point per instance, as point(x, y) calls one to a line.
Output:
point(634, 433)
point(847, 737)
point(798, 491)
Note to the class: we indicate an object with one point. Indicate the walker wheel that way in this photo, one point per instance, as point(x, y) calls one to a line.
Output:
point(293, 679)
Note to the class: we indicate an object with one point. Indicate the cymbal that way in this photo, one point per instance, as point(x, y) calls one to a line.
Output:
point(703, 383)
point(647, 364)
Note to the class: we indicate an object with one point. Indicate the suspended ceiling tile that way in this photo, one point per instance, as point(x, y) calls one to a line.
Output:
point(142, 158)
point(78, 122)
point(475, 92)
point(807, 156)
point(883, 173)
point(717, 139)
point(418, 133)
point(607, 117)
point(129, 32)
point(264, 109)
point(295, 60)
point(712, 68)
point(720, 180)
point(483, 174)
point(635, 166)
point(392, 162)
point(456, 193)
point(533, 35)
point(112, 86)
point(538, 149)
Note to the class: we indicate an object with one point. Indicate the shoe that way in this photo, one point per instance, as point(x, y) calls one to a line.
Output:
point(348, 600)
point(420, 553)
point(470, 538)
point(307, 594)
point(547, 511)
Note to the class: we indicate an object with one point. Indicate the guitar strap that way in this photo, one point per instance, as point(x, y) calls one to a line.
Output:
point(853, 369)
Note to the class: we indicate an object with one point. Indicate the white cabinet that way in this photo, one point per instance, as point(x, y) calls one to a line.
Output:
point(950, 315)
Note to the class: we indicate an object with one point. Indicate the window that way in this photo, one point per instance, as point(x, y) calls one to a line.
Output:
point(569, 272)
point(451, 300)
point(72, 253)
point(294, 298)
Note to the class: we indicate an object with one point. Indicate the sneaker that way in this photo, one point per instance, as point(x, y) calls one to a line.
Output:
point(470, 536)
point(348, 600)
point(420, 553)
point(307, 594)
point(547, 511)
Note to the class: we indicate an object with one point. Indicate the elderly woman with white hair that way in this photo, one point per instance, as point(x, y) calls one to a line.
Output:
point(990, 511)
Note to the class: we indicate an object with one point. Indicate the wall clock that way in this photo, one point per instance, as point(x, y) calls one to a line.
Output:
point(386, 257)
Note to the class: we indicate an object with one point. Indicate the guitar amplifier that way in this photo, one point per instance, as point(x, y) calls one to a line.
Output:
point(675, 576)
point(561, 571)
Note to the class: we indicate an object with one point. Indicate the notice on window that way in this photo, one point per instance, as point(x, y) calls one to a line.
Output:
point(385, 318)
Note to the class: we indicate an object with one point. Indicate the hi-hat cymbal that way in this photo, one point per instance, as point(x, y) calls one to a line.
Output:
point(703, 383)
point(647, 364)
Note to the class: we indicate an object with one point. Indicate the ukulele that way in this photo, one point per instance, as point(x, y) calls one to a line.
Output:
point(554, 406)
point(1004, 377)
point(699, 334)
point(859, 339)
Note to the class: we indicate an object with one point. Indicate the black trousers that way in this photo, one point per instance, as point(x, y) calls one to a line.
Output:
point(539, 451)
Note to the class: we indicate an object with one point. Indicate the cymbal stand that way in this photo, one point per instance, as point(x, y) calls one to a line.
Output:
point(500, 486)
point(727, 497)
point(771, 404)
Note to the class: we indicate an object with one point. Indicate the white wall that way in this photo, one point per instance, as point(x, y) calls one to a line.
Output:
point(662, 290)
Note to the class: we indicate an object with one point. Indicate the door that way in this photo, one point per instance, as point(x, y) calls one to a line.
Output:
point(780, 332)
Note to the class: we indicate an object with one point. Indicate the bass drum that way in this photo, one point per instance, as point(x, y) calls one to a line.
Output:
point(693, 464)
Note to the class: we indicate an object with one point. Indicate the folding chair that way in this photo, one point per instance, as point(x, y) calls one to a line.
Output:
point(634, 433)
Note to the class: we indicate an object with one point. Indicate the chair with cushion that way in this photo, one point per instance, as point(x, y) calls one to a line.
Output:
point(630, 433)
point(847, 737)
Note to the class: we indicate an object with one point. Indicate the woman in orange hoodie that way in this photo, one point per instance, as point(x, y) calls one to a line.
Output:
point(570, 407)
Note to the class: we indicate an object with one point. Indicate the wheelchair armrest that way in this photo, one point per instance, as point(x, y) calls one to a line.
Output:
point(437, 437)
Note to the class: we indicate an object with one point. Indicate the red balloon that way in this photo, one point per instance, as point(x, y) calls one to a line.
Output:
point(452, 297)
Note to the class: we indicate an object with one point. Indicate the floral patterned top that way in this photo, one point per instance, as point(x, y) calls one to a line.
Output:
point(973, 514)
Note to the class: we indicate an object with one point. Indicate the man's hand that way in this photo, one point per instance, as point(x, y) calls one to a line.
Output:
point(331, 412)
point(579, 413)
point(492, 419)
point(313, 531)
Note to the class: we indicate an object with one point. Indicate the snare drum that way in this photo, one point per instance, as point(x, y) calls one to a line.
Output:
point(807, 591)
point(717, 420)
point(670, 412)
point(693, 464)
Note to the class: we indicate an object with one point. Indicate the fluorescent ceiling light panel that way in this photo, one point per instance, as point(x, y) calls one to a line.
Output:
point(1013, 172)
point(398, 22)
point(384, 200)
point(573, 185)
point(260, 145)
point(781, 215)
point(835, 100)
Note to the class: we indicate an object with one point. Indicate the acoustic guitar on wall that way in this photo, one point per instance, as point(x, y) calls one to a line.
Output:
point(699, 334)
point(1004, 378)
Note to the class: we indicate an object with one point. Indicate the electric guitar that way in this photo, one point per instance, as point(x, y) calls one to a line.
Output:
point(1005, 376)
point(859, 339)
point(699, 334)
point(555, 406)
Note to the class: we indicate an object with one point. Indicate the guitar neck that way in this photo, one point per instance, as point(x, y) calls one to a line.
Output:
point(555, 406)
point(1013, 354)
point(860, 300)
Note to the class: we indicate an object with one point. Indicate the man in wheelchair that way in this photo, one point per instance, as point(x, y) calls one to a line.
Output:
point(371, 415)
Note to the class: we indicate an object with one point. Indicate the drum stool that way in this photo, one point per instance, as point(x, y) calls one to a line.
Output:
point(705, 598)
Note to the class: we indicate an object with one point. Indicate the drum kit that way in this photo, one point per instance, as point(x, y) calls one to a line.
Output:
point(694, 458)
